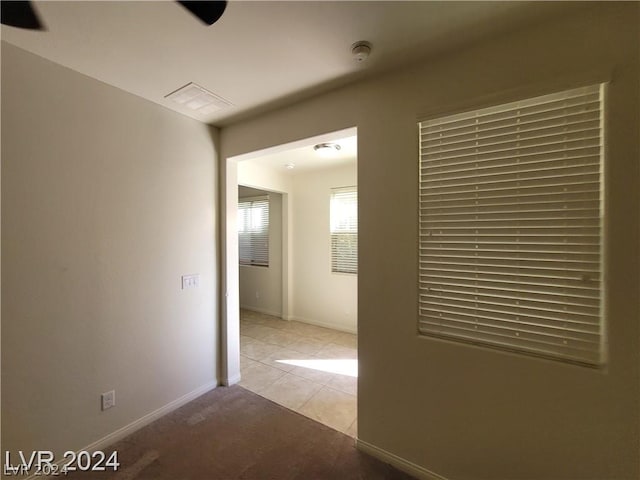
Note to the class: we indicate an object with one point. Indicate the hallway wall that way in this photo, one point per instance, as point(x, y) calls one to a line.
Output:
point(107, 200)
point(460, 411)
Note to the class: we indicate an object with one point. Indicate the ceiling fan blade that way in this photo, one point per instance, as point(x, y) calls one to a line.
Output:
point(207, 11)
point(20, 14)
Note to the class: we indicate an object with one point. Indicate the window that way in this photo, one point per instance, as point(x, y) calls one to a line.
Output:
point(253, 231)
point(511, 207)
point(344, 230)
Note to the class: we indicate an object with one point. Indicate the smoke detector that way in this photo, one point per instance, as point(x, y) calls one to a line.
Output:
point(361, 50)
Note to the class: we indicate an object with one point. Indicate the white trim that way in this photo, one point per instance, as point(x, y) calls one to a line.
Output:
point(400, 463)
point(150, 417)
point(143, 421)
point(261, 310)
point(293, 318)
point(227, 382)
point(332, 326)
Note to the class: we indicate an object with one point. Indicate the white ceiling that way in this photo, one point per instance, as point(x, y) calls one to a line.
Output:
point(305, 159)
point(260, 54)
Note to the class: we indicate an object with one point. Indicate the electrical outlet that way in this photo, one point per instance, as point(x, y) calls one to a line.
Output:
point(191, 281)
point(108, 399)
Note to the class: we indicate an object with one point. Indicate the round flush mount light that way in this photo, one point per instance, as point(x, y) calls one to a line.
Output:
point(290, 166)
point(326, 149)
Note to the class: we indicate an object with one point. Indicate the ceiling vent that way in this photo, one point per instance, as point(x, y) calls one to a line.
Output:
point(198, 99)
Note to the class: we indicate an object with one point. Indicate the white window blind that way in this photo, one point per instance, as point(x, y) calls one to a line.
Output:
point(511, 208)
point(253, 231)
point(344, 230)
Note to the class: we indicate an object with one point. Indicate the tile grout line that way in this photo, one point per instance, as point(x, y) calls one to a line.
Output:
point(334, 340)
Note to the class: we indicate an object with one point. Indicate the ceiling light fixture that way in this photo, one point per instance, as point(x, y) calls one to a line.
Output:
point(326, 149)
point(290, 166)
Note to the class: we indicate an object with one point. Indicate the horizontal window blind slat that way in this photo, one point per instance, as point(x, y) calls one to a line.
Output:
point(522, 338)
point(439, 181)
point(579, 157)
point(557, 267)
point(512, 282)
point(506, 326)
point(517, 301)
point(515, 189)
point(521, 182)
point(514, 118)
point(500, 128)
point(551, 258)
point(582, 316)
point(494, 166)
point(451, 326)
point(478, 240)
point(533, 293)
point(511, 253)
point(580, 357)
point(511, 115)
point(510, 204)
point(497, 338)
point(515, 148)
point(544, 102)
point(515, 201)
point(524, 270)
point(556, 235)
point(443, 143)
point(511, 313)
point(500, 224)
point(577, 149)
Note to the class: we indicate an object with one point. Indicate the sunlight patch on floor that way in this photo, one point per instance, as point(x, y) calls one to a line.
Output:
point(340, 366)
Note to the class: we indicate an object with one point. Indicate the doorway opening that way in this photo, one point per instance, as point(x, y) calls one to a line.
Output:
point(290, 315)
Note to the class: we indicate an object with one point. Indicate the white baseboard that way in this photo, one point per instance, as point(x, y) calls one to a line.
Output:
point(333, 326)
point(127, 430)
point(227, 382)
point(261, 310)
point(400, 463)
point(148, 418)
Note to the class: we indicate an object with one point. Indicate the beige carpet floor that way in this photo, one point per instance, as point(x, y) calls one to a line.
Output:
point(232, 433)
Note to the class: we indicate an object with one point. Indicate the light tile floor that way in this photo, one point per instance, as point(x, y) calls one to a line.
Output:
point(308, 369)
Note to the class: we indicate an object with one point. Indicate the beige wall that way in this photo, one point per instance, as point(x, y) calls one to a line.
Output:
point(460, 411)
point(252, 174)
point(320, 296)
point(107, 200)
point(316, 295)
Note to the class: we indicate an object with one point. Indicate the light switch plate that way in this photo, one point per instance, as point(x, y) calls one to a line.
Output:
point(191, 281)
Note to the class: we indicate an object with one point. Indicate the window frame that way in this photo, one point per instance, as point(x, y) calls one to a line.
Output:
point(344, 237)
point(258, 256)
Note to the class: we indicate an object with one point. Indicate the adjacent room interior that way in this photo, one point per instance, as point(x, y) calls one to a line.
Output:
point(297, 224)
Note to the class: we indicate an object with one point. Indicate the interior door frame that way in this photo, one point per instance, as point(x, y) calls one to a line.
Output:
point(229, 279)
